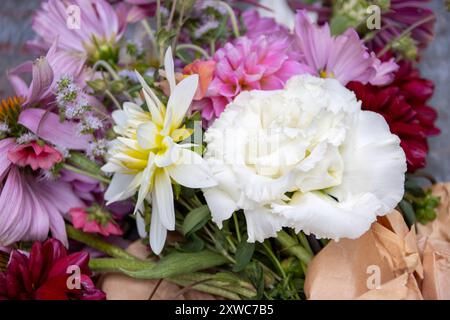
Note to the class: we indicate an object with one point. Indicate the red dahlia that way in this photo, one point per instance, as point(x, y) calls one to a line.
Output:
point(44, 275)
point(403, 104)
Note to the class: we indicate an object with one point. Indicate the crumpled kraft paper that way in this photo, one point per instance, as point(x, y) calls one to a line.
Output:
point(387, 262)
point(118, 286)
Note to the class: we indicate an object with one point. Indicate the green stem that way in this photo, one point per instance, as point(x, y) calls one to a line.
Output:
point(158, 15)
point(151, 34)
point(404, 33)
point(113, 99)
point(301, 236)
point(212, 47)
point(274, 259)
point(195, 48)
point(210, 283)
point(232, 16)
point(236, 226)
point(98, 244)
point(172, 13)
point(107, 66)
point(290, 245)
point(85, 173)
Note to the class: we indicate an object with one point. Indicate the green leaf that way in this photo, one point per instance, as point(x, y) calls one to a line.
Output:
point(82, 162)
point(195, 220)
point(164, 36)
point(255, 274)
point(408, 212)
point(414, 188)
point(244, 253)
point(178, 263)
point(194, 244)
point(339, 24)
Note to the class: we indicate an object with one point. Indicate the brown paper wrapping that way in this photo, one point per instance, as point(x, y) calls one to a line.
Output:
point(410, 265)
point(121, 287)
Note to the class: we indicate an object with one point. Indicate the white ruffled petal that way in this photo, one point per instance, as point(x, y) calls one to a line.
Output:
point(320, 214)
point(220, 204)
point(262, 224)
point(374, 162)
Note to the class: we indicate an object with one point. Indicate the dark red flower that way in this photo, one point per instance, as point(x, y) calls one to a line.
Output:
point(403, 104)
point(44, 275)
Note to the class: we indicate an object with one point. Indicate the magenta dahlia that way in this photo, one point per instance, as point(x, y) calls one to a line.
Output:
point(46, 274)
point(404, 105)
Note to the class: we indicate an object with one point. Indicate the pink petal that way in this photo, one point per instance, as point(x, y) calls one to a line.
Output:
point(47, 126)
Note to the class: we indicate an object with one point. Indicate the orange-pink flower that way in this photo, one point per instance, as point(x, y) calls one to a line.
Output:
point(205, 70)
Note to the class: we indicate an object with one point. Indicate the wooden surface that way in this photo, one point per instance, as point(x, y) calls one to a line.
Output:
point(15, 29)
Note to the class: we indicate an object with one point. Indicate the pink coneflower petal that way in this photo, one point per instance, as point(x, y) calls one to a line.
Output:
point(47, 126)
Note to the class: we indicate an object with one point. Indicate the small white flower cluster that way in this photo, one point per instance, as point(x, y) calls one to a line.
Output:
point(73, 105)
point(70, 98)
point(97, 149)
point(4, 128)
point(125, 73)
point(207, 25)
point(26, 138)
point(211, 4)
point(89, 124)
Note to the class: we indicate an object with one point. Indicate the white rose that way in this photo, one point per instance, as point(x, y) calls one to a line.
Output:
point(305, 157)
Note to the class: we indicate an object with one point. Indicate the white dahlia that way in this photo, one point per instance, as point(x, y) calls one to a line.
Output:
point(305, 157)
point(148, 154)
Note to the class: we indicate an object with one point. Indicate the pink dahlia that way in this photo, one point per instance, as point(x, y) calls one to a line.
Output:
point(94, 220)
point(343, 57)
point(44, 275)
point(256, 26)
point(248, 64)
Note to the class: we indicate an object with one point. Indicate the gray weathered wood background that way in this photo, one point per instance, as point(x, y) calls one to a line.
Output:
point(15, 29)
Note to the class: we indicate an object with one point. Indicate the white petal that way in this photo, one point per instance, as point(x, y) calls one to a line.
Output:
point(220, 204)
point(171, 154)
point(192, 171)
point(140, 224)
point(111, 167)
point(180, 100)
point(162, 199)
point(262, 224)
point(320, 214)
point(147, 182)
point(158, 234)
point(121, 187)
point(374, 162)
point(169, 69)
point(119, 117)
point(156, 112)
point(146, 135)
point(154, 105)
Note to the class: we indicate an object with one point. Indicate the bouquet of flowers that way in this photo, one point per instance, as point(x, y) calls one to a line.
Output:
point(230, 140)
